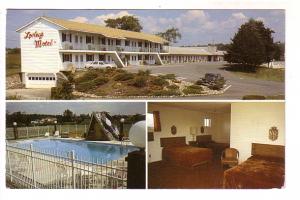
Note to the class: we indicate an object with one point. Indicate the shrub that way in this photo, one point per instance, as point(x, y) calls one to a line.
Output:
point(88, 76)
point(173, 87)
point(69, 75)
point(217, 85)
point(166, 93)
point(85, 86)
point(100, 81)
point(62, 92)
point(168, 76)
point(193, 89)
point(139, 81)
point(199, 82)
point(160, 81)
point(144, 73)
point(254, 97)
point(123, 76)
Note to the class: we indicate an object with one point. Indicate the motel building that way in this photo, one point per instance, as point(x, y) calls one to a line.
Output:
point(50, 46)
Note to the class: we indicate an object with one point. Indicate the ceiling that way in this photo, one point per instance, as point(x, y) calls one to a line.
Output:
point(214, 107)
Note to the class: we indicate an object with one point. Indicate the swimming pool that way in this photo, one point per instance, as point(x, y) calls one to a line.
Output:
point(84, 150)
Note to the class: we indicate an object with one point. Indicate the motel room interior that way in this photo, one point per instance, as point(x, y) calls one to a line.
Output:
point(216, 145)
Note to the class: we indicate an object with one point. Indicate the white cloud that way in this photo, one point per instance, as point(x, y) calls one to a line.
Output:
point(239, 16)
point(190, 21)
point(80, 19)
point(235, 20)
point(101, 18)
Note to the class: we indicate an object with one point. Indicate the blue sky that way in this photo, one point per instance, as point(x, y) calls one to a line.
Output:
point(196, 26)
point(76, 107)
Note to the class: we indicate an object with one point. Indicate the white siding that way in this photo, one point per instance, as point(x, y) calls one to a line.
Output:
point(44, 59)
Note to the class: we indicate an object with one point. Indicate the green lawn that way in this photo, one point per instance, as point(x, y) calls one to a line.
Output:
point(13, 63)
point(263, 73)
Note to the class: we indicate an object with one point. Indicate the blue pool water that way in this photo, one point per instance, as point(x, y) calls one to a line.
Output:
point(87, 151)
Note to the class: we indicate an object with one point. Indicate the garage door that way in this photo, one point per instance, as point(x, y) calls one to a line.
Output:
point(37, 80)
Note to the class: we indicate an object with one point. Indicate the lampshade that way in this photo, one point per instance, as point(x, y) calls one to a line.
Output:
point(137, 134)
point(150, 120)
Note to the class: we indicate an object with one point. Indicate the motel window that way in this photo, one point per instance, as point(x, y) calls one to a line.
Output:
point(89, 39)
point(89, 57)
point(70, 37)
point(127, 43)
point(101, 57)
point(110, 42)
point(140, 57)
point(118, 42)
point(99, 40)
point(80, 39)
point(76, 58)
point(81, 58)
point(140, 44)
point(67, 57)
point(146, 44)
point(207, 122)
point(63, 37)
point(29, 78)
point(146, 57)
point(133, 44)
point(47, 78)
point(103, 41)
point(76, 38)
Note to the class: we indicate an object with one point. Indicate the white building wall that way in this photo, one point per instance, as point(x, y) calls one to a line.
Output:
point(184, 119)
point(43, 59)
point(250, 123)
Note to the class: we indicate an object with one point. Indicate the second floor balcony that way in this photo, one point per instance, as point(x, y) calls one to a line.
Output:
point(102, 47)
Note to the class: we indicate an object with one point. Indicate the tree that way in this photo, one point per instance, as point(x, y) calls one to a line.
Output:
point(68, 116)
point(279, 51)
point(130, 23)
point(171, 34)
point(252, 45)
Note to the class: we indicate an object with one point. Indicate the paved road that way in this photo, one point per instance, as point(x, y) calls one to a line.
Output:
point(240, 86)
point(30, 94)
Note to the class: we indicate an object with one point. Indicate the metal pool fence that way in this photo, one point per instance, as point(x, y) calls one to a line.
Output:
point(30, 168)
point(39, 131)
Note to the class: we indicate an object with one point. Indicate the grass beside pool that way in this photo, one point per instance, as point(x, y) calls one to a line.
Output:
point(263, 73)
point(13, 63)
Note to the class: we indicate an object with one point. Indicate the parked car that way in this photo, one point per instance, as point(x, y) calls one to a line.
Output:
point(97, 64)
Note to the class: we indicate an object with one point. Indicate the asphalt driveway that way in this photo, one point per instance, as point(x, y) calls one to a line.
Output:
point(240, 86)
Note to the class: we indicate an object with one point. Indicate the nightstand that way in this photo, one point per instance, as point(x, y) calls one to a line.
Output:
point(193, 143)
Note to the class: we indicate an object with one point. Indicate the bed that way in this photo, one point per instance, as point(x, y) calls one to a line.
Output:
point(206, 141)
point(264, 169)
point(176, 152)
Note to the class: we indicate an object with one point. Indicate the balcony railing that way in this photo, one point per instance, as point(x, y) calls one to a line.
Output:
point(99, 47)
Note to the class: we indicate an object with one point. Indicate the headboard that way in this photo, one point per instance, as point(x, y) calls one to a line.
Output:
point(268, 150)
point(203, 138)
point(172, 141)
